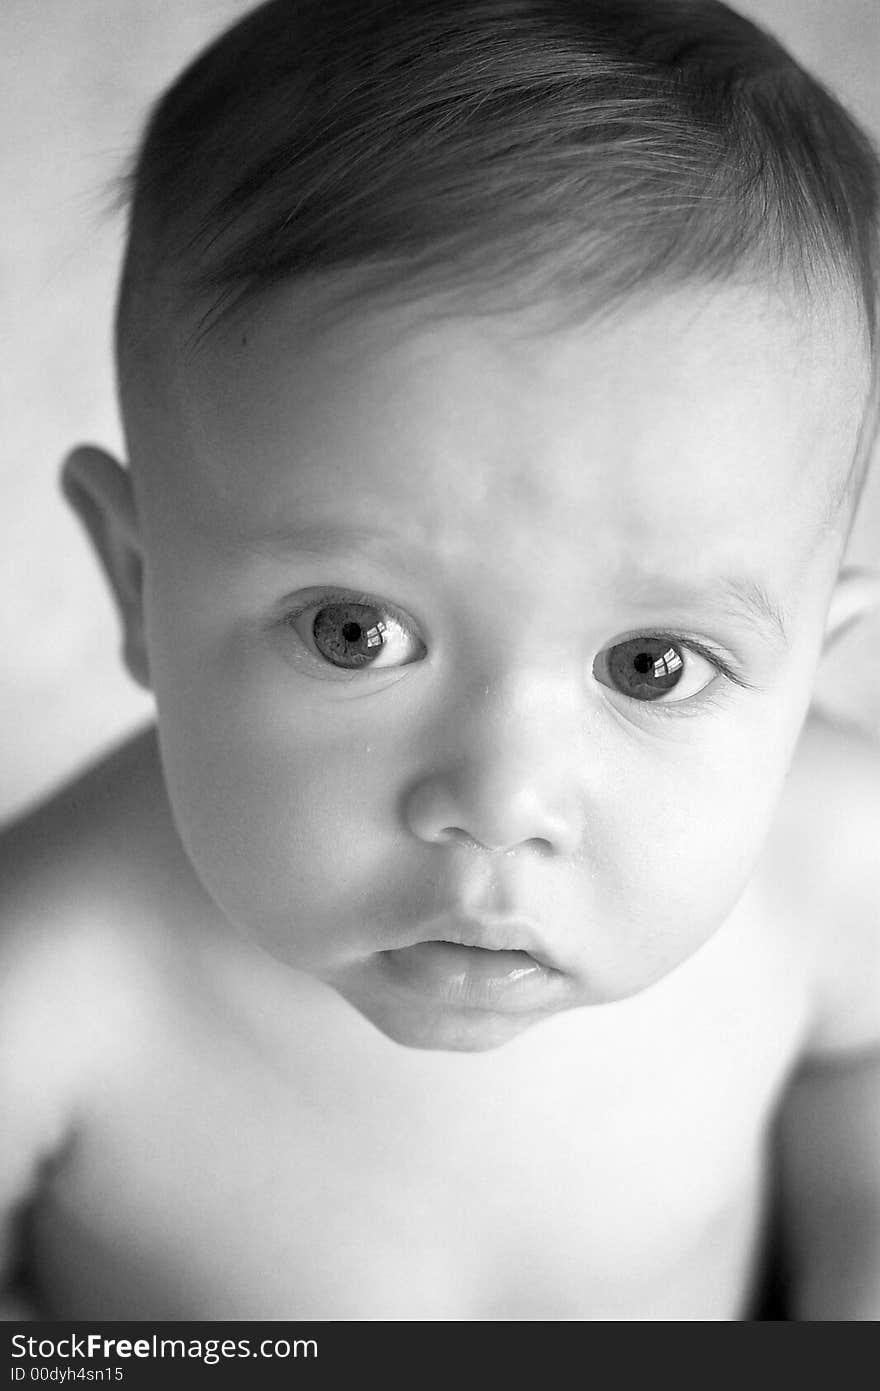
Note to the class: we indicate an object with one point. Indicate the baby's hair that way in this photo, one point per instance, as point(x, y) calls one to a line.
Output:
point(588, 148)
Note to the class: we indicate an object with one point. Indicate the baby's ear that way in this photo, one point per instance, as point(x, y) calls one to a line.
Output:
point(856, 596)
point(100, 492)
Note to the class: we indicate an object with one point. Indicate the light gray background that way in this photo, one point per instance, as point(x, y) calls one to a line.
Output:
point(76, 77)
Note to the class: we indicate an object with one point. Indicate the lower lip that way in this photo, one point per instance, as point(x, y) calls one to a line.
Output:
point(473, 977)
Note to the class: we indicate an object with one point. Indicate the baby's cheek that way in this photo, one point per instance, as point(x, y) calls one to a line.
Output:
point(681, 852)
point(278, 816)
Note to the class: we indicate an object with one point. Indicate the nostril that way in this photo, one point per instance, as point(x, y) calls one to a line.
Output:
point(541, 844)
point(459, 837)
point(455, 835)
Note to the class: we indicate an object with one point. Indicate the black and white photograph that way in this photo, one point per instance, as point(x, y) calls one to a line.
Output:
point(440, 677)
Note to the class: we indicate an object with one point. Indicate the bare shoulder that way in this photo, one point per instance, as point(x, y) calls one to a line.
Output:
point(826, 866)
point(95, 889)
point(82, 882)
point(101, 835)
point(106, 837)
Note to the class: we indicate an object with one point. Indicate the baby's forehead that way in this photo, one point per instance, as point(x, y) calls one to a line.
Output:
point(346, 324)
point(655, 402)
point(809, 354)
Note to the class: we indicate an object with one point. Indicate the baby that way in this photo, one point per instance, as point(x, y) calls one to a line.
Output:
point(487, 931)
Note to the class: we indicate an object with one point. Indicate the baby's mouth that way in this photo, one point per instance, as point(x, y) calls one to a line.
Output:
point(452, 975)
point(509, 941)
point(473, 963)
point(487, 963)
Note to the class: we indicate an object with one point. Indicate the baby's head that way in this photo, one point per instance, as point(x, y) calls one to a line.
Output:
point(497, 383)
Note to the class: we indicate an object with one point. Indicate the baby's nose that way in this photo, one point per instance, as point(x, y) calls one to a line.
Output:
point(500, 782)
point(489, 814)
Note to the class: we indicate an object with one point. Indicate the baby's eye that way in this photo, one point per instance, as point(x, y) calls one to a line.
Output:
point(352, 634)
point(654, 668)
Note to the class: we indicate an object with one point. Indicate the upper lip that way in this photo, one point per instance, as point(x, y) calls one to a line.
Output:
point(492, 933)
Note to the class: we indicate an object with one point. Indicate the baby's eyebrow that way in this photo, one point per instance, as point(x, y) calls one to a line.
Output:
point(318, 538)
point(751, 600)
point(744, 599)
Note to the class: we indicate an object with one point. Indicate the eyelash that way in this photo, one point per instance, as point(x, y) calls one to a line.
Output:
point(337, 596)
point(692, 644)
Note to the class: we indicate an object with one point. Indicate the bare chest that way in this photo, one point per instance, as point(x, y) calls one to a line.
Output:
point(607, 1165)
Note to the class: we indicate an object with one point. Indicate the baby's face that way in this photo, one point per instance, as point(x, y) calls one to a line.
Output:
point(481, 645)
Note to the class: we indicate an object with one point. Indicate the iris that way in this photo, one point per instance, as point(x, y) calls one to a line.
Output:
point(348, 634)
point(644, 668)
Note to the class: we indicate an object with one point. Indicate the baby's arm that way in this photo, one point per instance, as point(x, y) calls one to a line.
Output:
point(38, 1054)
point(830, 1148)
point(25, 1136)
point(830, 1121)
point(79, 876)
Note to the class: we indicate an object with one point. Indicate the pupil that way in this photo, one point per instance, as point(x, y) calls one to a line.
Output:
point(351, 632)
point(643, 663)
